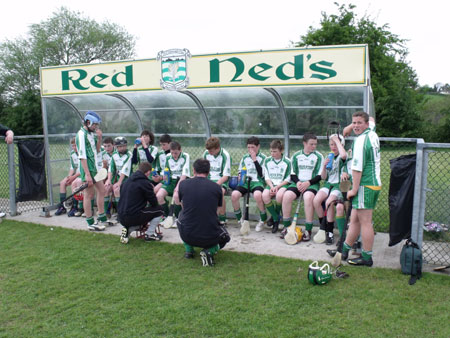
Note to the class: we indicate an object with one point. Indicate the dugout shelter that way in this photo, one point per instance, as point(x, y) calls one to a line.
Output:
point(270, 94)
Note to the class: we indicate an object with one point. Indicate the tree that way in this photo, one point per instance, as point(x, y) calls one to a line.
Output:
point(394, 82)
point(65, 38)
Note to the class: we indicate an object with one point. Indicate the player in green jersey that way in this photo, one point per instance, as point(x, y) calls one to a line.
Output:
point(160, 162)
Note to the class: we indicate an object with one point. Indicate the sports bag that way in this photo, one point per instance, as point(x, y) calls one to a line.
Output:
point(411, 260)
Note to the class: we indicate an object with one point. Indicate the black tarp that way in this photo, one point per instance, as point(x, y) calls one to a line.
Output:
point(32, 180)
point(401, 197)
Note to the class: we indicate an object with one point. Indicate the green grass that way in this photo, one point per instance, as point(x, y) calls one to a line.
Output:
point(61, 282)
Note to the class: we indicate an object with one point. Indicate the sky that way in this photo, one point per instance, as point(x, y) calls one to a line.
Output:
point(208, 26)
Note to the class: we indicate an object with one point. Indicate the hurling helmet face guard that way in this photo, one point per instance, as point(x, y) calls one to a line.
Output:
point(120, 141)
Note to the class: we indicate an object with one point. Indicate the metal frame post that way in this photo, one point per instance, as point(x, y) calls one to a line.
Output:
point(12, 180)
point(418, 203)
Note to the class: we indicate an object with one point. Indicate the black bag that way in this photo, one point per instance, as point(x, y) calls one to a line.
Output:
point(411, 261)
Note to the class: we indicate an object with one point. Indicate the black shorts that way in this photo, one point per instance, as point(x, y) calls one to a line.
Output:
point(142, 217)
point(296, 192)
point(243, 190)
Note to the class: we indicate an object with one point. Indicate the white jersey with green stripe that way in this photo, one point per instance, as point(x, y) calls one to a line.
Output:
point(74, 161)
point(220, 165)
point(334, 174)
point(277, 170)
point(107, 157)
point(306, 166)
point(87, 148)
point(161, 160)
point(366, 158)
point(178, 167)
point(250, 166)
point(141, 153)
point(120, 164)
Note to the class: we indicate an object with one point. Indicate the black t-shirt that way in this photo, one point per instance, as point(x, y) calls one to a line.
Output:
point(198, 220)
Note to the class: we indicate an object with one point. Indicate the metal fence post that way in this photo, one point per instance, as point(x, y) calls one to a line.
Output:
point(418, 203)
point(12, 180)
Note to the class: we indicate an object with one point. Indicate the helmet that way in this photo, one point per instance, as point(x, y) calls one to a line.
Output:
point(93, 117)
point(120, 141)
point(340, 138)
point(319, 275)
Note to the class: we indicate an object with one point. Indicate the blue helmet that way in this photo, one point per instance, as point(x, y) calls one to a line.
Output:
point(93, 117)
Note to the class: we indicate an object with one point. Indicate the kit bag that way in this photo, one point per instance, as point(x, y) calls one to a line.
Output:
point(411, 260)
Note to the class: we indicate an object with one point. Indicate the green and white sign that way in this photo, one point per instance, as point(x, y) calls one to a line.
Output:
point(175, 69)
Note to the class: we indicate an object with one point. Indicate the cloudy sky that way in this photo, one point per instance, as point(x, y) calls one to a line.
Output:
point(208, 26)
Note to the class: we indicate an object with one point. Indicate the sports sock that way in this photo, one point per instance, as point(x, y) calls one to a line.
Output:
point(263, 215)
point(277, 207)
point(92, 206)
point(165, 208)
point(62, 197)
point(330, 226)
point(308, 226)
point(286, 222)
point(320, 220)
point(272, 209)
point(102, 217)
point(188, 248)
point(346, 247)
point(176, 210)
point(213, 250)
point(238, 214)
point(366, 255)
point(222, 218)
point(80, 205)
point(90, 220)
point(340, 220)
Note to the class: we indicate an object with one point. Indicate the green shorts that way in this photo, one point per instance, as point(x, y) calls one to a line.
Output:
point(170, 188)
point(311, 187)
point(332, 189)
point(254, 185)
point(366, 198)
point(83, 174)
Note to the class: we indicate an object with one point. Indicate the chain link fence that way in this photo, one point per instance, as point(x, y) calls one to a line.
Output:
point(436, 234)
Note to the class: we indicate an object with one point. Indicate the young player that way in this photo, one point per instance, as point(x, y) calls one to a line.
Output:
point(330, 192)
point(277, 170)
point(71, 179)
point(160, 162)
point(107, 154)
point(253, 162)
point(306, 168)
point(220, 170)
point(144, 150)
point(177, 167)
point(9, 138)
point(119, 168)
point(366, 188)
point(88, 141)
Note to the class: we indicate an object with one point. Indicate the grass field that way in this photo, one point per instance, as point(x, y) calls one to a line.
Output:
point(60, 282)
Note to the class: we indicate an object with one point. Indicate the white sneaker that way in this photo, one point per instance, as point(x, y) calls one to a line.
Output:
point(174, 224)
point(96, 227)
point(259, 226)
point(2, 214)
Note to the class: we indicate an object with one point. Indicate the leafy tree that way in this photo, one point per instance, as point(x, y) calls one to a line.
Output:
point(65, 38)
point(393, 81)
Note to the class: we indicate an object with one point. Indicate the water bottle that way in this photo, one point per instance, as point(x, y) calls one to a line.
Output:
point(243, 176)
point(330, 163)
point(155, 172)
point(166, 176)
point(137, 141)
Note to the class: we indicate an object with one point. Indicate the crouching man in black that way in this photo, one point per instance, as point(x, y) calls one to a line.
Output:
point(198, 222)
point(133, 210)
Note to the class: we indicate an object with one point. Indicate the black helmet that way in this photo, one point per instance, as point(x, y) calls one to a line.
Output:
point(120, 141)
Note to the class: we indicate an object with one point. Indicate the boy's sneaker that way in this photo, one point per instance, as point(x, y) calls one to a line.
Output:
point(329, 238)
point(61, 210)
point(270, 222)
point(188, 255)
point(124, 236)
point(332, 252)
point(207, 258)
point(2, 214)
point(259, 226)
point(72, 212)
point(78, 213)
point(96, 227)
point(360, 261)
point(153, 237)
point(306, 236)
point(283, 232)
point(275, 226)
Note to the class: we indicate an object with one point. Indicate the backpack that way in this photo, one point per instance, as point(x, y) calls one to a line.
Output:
point(411, 260)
